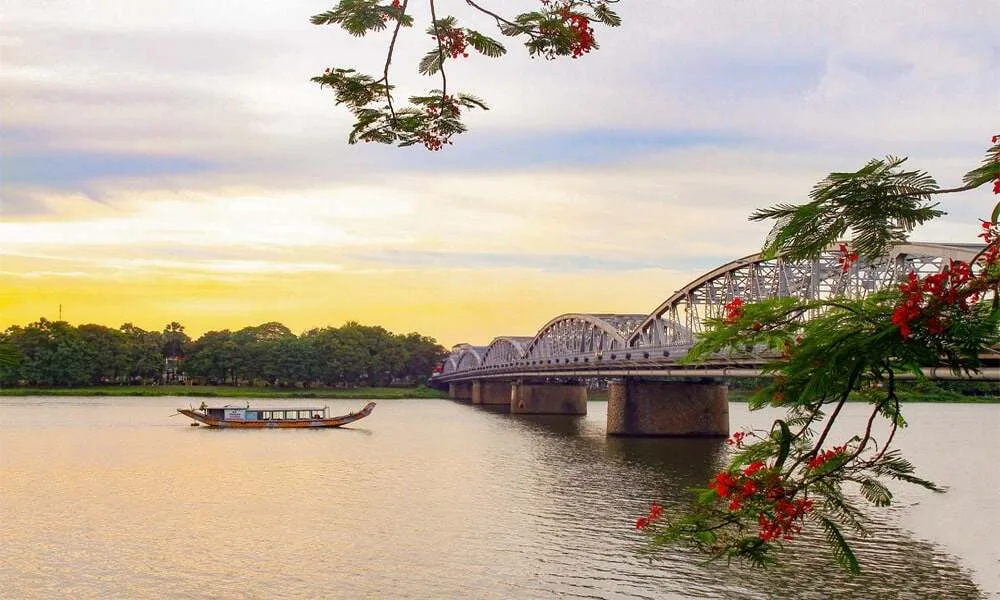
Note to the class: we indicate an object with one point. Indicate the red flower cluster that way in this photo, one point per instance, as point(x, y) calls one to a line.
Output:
point(655, 512)
point(990, 235)
point(821, 458)
point(737, 439)
point(583, 34)
point(576, 24)
point(453, 42)
point(847, 258)
point(756, 483)
point(433, 138)
point(947, 288)
point(784, 524)
point(739, 487)
point(734, 310)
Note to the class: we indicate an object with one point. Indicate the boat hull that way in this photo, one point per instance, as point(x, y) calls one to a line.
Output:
point(340, 421)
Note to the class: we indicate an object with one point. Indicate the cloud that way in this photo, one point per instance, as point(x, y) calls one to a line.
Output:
point(156, 141)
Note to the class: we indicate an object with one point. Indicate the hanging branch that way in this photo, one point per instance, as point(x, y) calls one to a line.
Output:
point(558, 28)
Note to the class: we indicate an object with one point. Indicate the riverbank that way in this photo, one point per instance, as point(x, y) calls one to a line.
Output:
point(216, 391)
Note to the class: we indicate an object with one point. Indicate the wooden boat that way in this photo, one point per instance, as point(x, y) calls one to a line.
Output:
point(271, 418)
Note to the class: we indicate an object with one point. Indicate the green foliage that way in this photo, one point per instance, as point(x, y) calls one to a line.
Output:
point(827, 351)
point(879, 204)
point(359, 17)
point(56, 354)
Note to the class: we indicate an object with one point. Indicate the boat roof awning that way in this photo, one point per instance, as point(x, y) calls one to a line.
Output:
point(270, 408)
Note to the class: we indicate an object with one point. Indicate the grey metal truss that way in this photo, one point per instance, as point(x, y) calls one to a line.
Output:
point(752, 278)
point(578, 333)
point(505, 350)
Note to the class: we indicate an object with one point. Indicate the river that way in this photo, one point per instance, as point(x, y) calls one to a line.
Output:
point(116, 498)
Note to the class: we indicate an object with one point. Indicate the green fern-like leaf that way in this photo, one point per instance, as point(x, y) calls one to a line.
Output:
point(876, 493)
point(485, 45)
point(879, 204)
point(607, 16)
point(431, 62)
point(842, 552)
point(988, 171)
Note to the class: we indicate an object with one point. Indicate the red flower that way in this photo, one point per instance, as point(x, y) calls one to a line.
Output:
point(847, 258)
point(734, 310)
point(723, 484)
point(655, 512)
point(737, 439)
point(822, 457)
point(753, 467)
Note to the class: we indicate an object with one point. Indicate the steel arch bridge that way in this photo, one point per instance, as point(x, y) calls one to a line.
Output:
point(578, 344)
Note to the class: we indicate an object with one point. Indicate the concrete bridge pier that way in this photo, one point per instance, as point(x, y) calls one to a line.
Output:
point(460, 390)
point(491, 393)
point(667, 408)
point(548, 398)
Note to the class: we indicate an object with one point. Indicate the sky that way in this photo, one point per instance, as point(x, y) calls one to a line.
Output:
point(171, 161)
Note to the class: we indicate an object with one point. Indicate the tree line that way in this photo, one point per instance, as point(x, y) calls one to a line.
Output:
point(56, 354)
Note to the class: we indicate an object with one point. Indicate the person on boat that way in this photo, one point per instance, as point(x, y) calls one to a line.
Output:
point(203, 406)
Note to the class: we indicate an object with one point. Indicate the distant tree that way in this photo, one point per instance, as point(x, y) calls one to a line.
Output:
point(175, 341)
point(289, 361)
point(144, 353)
point(420, 355)
point(11, 357)
point(107, 350)
point(214, 356)
point(53, 354)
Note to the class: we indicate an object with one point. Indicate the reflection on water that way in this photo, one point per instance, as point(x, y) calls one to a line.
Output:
point(429, 499)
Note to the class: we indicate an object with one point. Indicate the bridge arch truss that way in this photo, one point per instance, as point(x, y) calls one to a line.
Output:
point(754, 278)
point(578, 333)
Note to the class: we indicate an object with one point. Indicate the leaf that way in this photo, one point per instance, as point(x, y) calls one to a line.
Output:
point(988, 171)
point(706, 537)
point(431, 62)
point(484, 45)
point(784, 442)
point(876, 493)
point(842, 552)
point(607, 16)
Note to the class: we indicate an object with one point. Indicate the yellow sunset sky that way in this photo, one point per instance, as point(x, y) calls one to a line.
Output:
point(170, 161)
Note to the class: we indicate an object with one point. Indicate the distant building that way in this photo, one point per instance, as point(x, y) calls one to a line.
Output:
point(172, 369)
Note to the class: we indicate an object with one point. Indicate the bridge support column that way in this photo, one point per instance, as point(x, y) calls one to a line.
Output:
point(548, 399)
point(460, 390)
point(490, 393)
point(667, 408)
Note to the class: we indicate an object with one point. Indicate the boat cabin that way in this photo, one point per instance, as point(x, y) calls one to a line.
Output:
point(230, 413)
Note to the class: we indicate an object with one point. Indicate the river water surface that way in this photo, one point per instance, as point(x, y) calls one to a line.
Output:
point(114, 498)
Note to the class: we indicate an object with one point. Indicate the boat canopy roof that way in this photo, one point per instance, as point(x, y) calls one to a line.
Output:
point(270, 408)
